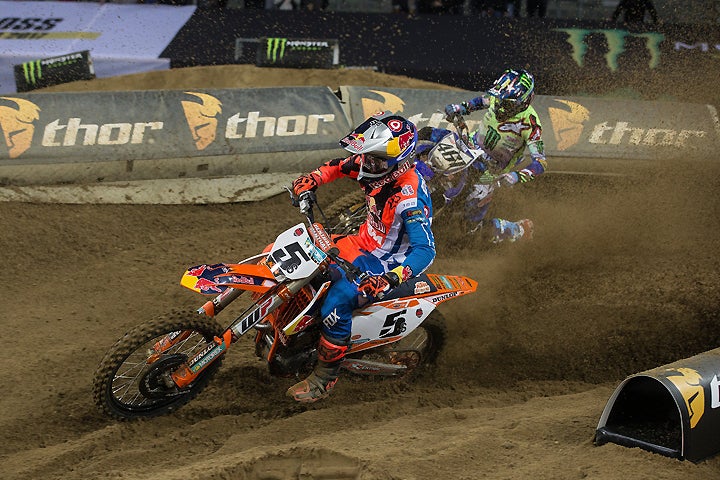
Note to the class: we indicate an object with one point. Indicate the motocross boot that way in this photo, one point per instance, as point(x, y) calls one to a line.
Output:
point(321, 381)
point(511, 231)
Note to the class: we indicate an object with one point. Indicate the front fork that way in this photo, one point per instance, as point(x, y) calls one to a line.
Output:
point(189, 371)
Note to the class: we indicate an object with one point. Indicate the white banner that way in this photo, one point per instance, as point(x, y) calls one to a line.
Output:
point(121, 38)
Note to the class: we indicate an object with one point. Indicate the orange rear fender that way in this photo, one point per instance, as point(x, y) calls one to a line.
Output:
point(447, 287)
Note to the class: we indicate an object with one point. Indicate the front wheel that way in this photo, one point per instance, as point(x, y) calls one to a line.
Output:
point(133, 379)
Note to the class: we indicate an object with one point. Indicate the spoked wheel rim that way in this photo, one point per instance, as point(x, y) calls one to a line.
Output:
point(142, 381)
point(411, 352)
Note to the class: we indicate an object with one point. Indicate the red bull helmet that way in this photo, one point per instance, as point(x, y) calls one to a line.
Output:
point(385, 141)
point(513, 92)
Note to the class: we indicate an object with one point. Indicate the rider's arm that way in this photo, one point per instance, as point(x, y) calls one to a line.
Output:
point(538, 162)
point(328, 172)
point(477, 103)
point(339, 167)
point(422, 243)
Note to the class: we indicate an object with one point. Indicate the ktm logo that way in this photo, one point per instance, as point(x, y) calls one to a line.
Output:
point(390, 102)
point(689, 383)
point(17, 125)
point(568, 123)
point(202, 118)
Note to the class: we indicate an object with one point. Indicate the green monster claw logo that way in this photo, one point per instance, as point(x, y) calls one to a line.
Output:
point(616, 44)
point(275, 47)
point(492, 137)
point(525, 81)
point(32, 71)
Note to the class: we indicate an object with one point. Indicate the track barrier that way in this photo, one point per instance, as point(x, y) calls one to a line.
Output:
point(672, 410)
point(100, 137)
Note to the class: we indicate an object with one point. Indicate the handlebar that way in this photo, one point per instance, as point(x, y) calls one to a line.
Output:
point(461, 127)
point(306, 201)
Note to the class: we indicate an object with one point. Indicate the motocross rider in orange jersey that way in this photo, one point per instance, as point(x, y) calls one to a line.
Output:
point(393, 244)
point(509, 126)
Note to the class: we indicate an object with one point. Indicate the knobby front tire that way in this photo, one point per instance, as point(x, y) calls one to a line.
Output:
point(126, 386)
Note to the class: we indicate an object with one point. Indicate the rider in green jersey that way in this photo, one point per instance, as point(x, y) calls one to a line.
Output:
point(509, 126)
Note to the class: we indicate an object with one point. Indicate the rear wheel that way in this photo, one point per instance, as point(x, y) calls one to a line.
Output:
point(416, 352)
point(133, 379)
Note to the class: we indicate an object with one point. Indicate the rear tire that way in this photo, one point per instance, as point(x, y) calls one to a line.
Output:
point(418, 351)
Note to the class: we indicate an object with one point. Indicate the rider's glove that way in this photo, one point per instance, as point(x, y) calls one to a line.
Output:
point(525, 175)
point(454, 109)
point(508, 179)
point(375, 287)
point(424, 169)
point(511, 178)
point(306, 183)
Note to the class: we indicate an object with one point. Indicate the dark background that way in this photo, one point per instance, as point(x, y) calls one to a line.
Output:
point(469, 52)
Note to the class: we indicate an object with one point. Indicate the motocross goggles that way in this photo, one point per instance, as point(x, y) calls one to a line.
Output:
point(374, 165)
point(508, 108)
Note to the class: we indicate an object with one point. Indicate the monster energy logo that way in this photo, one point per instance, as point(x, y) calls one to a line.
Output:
point(32, 71)
point(275, 47)
point(616, 44)
point(525, 81)
point(492, 137)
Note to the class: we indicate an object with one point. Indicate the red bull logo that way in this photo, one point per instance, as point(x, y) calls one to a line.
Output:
point(355, 140)
point(203, 285)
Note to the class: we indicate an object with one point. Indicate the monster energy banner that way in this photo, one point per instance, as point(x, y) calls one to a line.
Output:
point(568, 57)
point(673, 410)
point(53, 71)
point(297, 52)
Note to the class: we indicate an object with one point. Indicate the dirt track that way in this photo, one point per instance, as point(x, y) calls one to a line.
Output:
point(622, 276)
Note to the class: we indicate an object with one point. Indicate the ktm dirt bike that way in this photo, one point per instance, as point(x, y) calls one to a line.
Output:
point(161, 365)
point(446, 164)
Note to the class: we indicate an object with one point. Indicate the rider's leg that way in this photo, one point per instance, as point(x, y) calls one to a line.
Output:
point(321, 381)
point(476, 208)
point(505, 230)
point(336, 314)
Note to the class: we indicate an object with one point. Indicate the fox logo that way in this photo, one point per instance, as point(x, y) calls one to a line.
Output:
point(202, 118)
point(390, 102)
point(17, 124)
point(568, 124)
